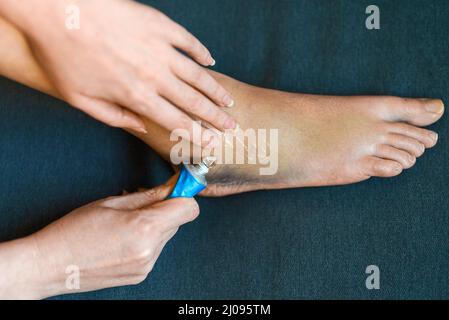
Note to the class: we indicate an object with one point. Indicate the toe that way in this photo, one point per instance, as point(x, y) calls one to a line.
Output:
point(377, 167)
point(410, 145)
point(391, 153)
point(427, 137)
point(419, 112)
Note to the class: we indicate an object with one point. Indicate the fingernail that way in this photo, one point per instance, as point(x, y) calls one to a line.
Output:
point(211, 61)
point(436, 106)
point(228, 101)
point(230, 124)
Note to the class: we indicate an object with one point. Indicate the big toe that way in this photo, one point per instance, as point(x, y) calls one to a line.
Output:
point(419, 112)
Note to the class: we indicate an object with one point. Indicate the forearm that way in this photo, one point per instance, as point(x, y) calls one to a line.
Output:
point(248, 112)
point(19, 65)
point(17, 61)
point(20, 277)
point(27, 14)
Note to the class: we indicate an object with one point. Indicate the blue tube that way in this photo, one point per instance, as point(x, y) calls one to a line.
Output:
point(187, 185)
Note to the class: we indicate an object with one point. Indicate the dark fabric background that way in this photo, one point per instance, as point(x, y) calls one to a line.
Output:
point(303, 243)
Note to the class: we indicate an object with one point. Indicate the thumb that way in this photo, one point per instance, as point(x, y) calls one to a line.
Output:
point(137, 200)
point(173, 213)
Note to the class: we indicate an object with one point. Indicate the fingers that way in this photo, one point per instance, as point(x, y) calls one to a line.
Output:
point(199, 78)
point(173, 213)
point(193, 102)
point(110, 113)
point(174, 120)
point(184, 40)
point(138, 200)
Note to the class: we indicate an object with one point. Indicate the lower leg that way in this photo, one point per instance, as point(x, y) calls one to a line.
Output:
point(323, 140)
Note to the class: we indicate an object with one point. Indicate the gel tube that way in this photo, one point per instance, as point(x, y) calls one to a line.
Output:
point(192, 179)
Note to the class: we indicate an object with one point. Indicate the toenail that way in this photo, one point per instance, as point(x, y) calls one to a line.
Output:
point(436, 106)
point(397, 169)
point(434, 136)
point(423, 148)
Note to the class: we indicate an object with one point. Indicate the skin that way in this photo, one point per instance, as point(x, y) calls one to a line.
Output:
point(125, 236)
point(324, 140)
point(132, 69)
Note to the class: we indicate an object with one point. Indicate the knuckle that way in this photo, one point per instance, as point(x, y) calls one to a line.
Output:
point(378, 168)
point(153, 193)
point(118, 119)
point(194, 209)
point(378, 148)
point(196, 104)
point(191, 41)
point(149, 227)
point(127, 92)
point(388, 137)
point(199, 76)
point(384, 103)
point(73, 98)
point(146, 270)
point(184, 122)
point(217, 90)
point(137, 279)
point(142, 255)
point(137, 96)
point(113, 123)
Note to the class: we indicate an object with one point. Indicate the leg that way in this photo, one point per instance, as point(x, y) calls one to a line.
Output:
point(323, 140)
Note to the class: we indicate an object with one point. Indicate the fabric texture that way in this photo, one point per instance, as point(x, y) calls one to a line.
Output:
point(294, 244)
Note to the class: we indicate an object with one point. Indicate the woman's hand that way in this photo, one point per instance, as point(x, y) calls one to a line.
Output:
point(111, 242)
point(122, 62)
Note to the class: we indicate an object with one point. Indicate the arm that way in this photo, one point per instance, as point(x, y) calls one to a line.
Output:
point(122, 62)
point(108, 243)
point(19, 271)
point(322, 140)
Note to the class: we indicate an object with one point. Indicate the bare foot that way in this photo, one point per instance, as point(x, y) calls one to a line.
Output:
point(323, 140)
point(328, 140)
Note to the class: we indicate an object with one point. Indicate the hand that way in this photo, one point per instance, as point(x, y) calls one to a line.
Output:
point(113, 242)
point(122, 62)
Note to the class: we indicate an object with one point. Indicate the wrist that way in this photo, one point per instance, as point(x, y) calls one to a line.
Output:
point(34, 15)
point(18, 272)
point(25, 273)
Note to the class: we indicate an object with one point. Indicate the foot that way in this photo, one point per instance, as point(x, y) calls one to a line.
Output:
point(323, 140)
point(327, 140)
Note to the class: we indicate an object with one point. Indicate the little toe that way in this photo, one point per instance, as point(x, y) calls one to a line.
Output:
point(391, 153)
point(427, 137)
point(410, 145)
point(377, 167)
point(419, 112)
